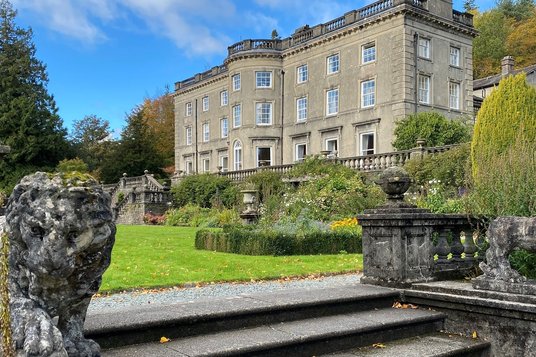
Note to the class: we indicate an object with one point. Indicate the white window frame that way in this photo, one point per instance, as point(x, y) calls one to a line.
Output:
point(188, 134)
point(224, 166)
point(424, 47)
point(224, 127)
point(263, 79)
point(301, 109)
point(206, 103)
point(188, 109)
point(454, 95)
point(424, 89)
point(297, 152)
point(454, 56)
point(302, 74)
point(237, 116)
point(329, 108)
point(206, 132)
point(237, 84)
point(206, 165)
point(188, 166)
point(263, 117)
point(257, 149)
point(224, 98)
point(368, 53)
point(237, 155)
point(365, 151)
point(327, 146)
point(368, 93)
point(333, 64)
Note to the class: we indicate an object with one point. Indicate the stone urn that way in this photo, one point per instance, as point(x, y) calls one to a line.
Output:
point(250, 213)
point(394, 181)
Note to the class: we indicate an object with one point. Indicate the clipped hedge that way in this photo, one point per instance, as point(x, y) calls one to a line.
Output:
point(255, 242)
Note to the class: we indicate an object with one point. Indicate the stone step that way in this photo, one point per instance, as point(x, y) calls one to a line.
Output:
point(307, 337)
point(140, 325)
point(432, 345)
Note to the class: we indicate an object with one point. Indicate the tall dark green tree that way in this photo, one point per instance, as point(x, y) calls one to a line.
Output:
point(135, 152)
point(29, 122)
point(516, 9)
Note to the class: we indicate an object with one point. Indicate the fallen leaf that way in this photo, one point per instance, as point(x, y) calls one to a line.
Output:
point(475, 334)
point(164, 339)
point(398, 305)
point(378, 345)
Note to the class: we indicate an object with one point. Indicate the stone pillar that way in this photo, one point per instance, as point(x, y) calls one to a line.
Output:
point(397, 244)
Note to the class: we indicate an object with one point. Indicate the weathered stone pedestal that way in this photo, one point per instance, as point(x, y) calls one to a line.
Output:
point(398, 248)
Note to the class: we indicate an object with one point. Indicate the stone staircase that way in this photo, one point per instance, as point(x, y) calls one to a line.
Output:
point(343, 321)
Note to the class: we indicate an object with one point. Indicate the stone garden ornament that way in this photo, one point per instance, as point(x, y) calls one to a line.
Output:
point(61, 236)
point(505, 234)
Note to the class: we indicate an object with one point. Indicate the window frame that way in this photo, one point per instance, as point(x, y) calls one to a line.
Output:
point(457, 85)
point(302, 74)
point(362, 150)
point(206, 132)
point(364, 55)
point(424, 51)
point(259, 84)
point(296, 152)
point(457, 62)
point(188, 134)
point(224, 168)
point(301, 112)
point(328, 113)
point(421, 90)
point(188, 166)
point(331, 140)
point(236, 82)
point(224, 98)
point(258, 161)
point(237, 109)
point(188, 109)
point(224, 127)
point(333, 64)
point(261, 105)
point(364, 95)
point(237, 149)
point(206, 165)
point(205, 103)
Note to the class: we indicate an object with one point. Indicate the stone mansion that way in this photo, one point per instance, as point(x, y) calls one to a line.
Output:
point(337, 87)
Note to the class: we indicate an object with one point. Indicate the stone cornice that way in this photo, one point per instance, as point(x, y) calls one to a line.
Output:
point(201, 84)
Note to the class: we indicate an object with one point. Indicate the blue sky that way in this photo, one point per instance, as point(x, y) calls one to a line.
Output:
point(105, 56)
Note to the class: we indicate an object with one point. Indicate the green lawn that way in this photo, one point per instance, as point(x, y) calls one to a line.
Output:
point(158, 256)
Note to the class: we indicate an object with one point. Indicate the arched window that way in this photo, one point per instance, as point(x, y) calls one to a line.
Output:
point(237, 155)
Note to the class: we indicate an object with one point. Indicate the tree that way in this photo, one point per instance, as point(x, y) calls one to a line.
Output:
point(434, 128)
point(135, 152)
point(489, 47)
point(521, 42)
point(159, 116)
point(29, 122)
point(516, 9)
point(469, 5)
point(88, 138)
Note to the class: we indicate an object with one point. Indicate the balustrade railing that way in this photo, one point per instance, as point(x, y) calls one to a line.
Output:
point(461, 17)
point(374, 8)
point(335, 24)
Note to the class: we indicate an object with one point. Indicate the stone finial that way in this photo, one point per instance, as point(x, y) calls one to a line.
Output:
point(124, 174)
point(61, 234)
point(394, 181)
point(146, 172)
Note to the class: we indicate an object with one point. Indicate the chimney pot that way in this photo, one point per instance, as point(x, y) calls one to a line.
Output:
point(507, 65)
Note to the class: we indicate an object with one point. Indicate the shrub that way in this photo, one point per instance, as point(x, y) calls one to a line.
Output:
point(270, 242)
point(195, 216)
point(69, 165)
point(154, 219)
point(205, 190)
point(434, 128)
point(267, 183)
point(508, 115)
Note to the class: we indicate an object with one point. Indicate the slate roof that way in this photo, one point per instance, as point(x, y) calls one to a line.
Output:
point(494, 80)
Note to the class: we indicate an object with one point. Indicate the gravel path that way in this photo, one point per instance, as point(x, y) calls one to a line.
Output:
point(125, 301)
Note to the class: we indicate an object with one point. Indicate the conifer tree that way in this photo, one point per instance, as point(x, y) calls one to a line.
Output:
point(29, 122)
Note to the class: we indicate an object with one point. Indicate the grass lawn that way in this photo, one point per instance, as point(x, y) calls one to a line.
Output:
point(158, 256)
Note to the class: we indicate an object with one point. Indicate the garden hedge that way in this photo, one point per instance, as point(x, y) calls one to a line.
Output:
point(255, 242)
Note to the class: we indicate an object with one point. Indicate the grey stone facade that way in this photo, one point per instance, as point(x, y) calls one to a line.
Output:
point(338, 86)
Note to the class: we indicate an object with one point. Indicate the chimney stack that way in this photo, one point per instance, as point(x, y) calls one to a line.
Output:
point(507, 65)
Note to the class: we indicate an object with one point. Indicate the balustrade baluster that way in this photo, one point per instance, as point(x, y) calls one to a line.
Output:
point(469, 245)
point(482, 245)
point(443, 249)
point(456, 247)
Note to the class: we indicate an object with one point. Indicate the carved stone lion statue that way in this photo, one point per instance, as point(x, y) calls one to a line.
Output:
point(506, 234)
point(61, 236)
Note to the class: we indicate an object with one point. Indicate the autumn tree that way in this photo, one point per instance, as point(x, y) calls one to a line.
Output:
point(159, 117)
point(521, 42)
point(134, 152)
point(516, 9)
point(29, 122)
point(489, 47)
